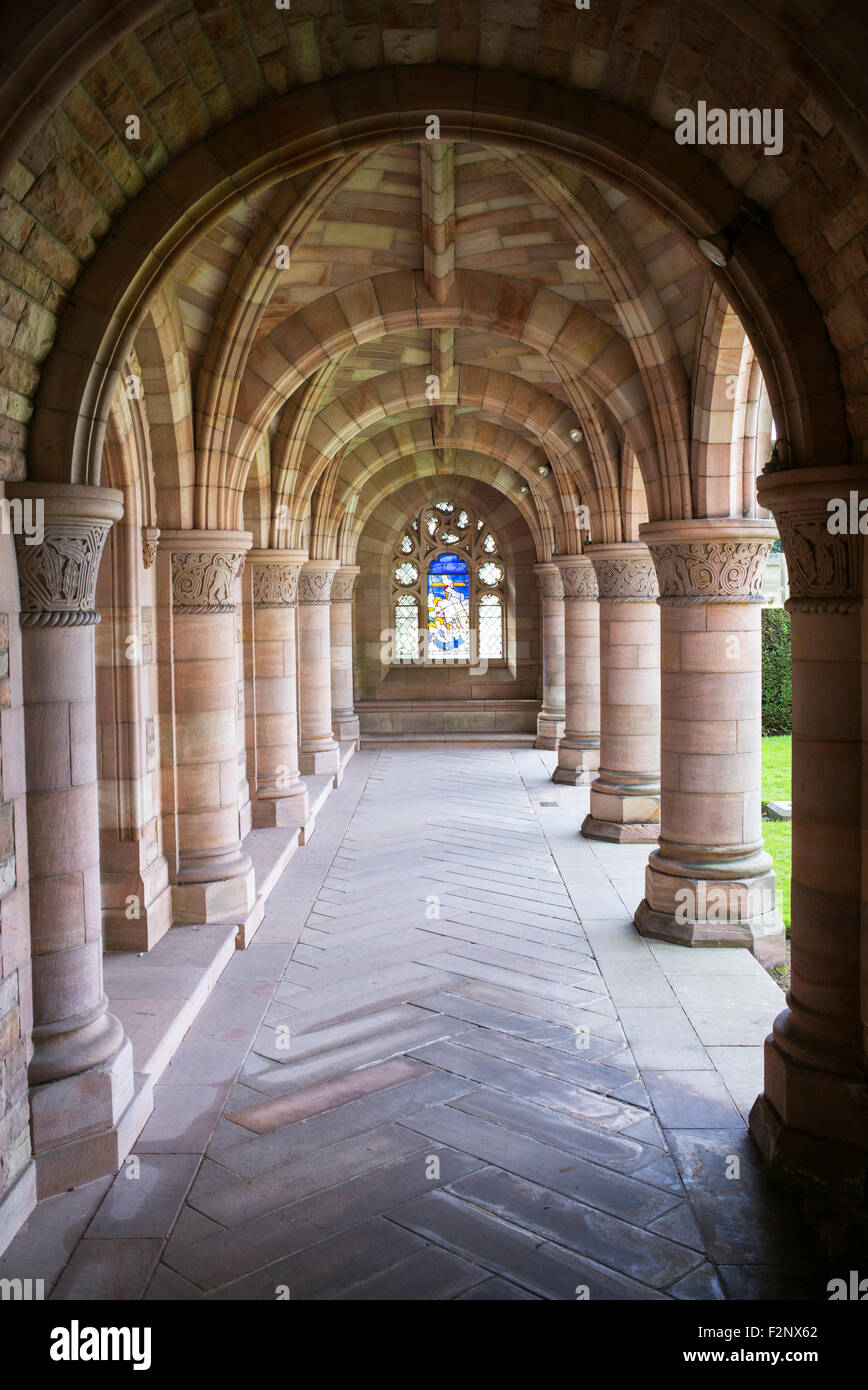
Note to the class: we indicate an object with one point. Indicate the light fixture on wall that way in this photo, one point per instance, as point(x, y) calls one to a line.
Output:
point(718, 247)
point(576, 436)
point(543, 469)
point(524, 488)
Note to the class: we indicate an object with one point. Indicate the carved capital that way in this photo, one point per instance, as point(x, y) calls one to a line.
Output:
point(550, 582)
point(315, 581)
point(203, 581)
point(625, 573)
point(274, 584)
point(578, 577)
point(344, 582)
point(824, 567)
point(715, 560)
point(58, 558)
point(150, 536)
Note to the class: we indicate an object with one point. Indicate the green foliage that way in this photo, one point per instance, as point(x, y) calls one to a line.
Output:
point(777, 672)
point(778, 834)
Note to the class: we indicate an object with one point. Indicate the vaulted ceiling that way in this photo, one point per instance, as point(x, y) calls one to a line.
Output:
point(436, 296)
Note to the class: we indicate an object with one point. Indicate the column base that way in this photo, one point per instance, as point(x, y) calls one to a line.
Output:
point(623, 815)
point(98, 1155)
point(577, 765)
point(767, 941)
point(86, 1103)
point(321, 761)
point(345, 727)
point(221, 900)
point(810, 1159)
point(694, 911)
point(270, 812)
point(549, 731)
point(141, 933)
point(621, 832)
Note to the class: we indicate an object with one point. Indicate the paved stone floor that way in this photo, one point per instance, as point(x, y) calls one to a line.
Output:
point(448, 1068)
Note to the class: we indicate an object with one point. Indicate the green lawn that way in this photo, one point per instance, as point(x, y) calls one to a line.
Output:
point(778, 835)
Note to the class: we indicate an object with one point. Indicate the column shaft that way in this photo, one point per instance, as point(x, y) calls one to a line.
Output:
point(579, 749)
point(81, 1071)
point(271, 590)
point(812, 1118)
point(213, 877)
point(319, 750)
point(550, 720)
point(345, 721)
point(625, 795)
point(710, 881)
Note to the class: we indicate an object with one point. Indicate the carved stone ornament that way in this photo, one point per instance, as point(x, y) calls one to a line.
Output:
point(315, 586)
point(551, 585)
point(57, 578)
point(724, 571)
point(204, 582)
point(150, 536)
point(274, 585)
point(824, 569)
point(631, 579)
point(342, 588)
point(580, 581)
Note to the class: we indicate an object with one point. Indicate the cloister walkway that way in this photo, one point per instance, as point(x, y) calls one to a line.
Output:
point(447, 1067)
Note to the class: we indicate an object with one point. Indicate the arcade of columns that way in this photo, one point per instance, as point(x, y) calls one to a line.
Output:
point(218, 516)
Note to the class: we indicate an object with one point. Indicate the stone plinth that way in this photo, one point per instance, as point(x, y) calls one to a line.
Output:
point(579, 749)
point(319, 751)
point(710, 881)
point(212, 876)
point(550, 722)
point(81, 1071)
point(345, 721)
point(625, 795)
point(812, 1119)
point(270, 584)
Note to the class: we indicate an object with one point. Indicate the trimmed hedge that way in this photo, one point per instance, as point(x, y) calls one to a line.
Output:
point(777, 672)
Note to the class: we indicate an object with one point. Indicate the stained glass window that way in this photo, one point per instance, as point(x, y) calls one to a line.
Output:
point(448, 574)
point(448, 607)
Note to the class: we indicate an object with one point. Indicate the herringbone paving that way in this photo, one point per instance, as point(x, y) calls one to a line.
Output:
point(414, 1085)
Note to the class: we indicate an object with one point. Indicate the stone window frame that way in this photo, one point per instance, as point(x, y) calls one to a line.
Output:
point(425, 546)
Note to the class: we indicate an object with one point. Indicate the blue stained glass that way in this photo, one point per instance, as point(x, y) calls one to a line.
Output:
point(448, 604)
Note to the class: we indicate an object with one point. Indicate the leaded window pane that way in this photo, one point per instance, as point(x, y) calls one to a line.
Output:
point(490, 627)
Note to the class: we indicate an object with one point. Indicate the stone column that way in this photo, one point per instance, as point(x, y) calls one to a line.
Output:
point(579, 749)
point(550, 720)
point(213, 877)
point(625, 796)
point(711, 881)
point(345, 721)
point(271, 591)
point(319, 751)
point(812, 1118)
point(81, 1071)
